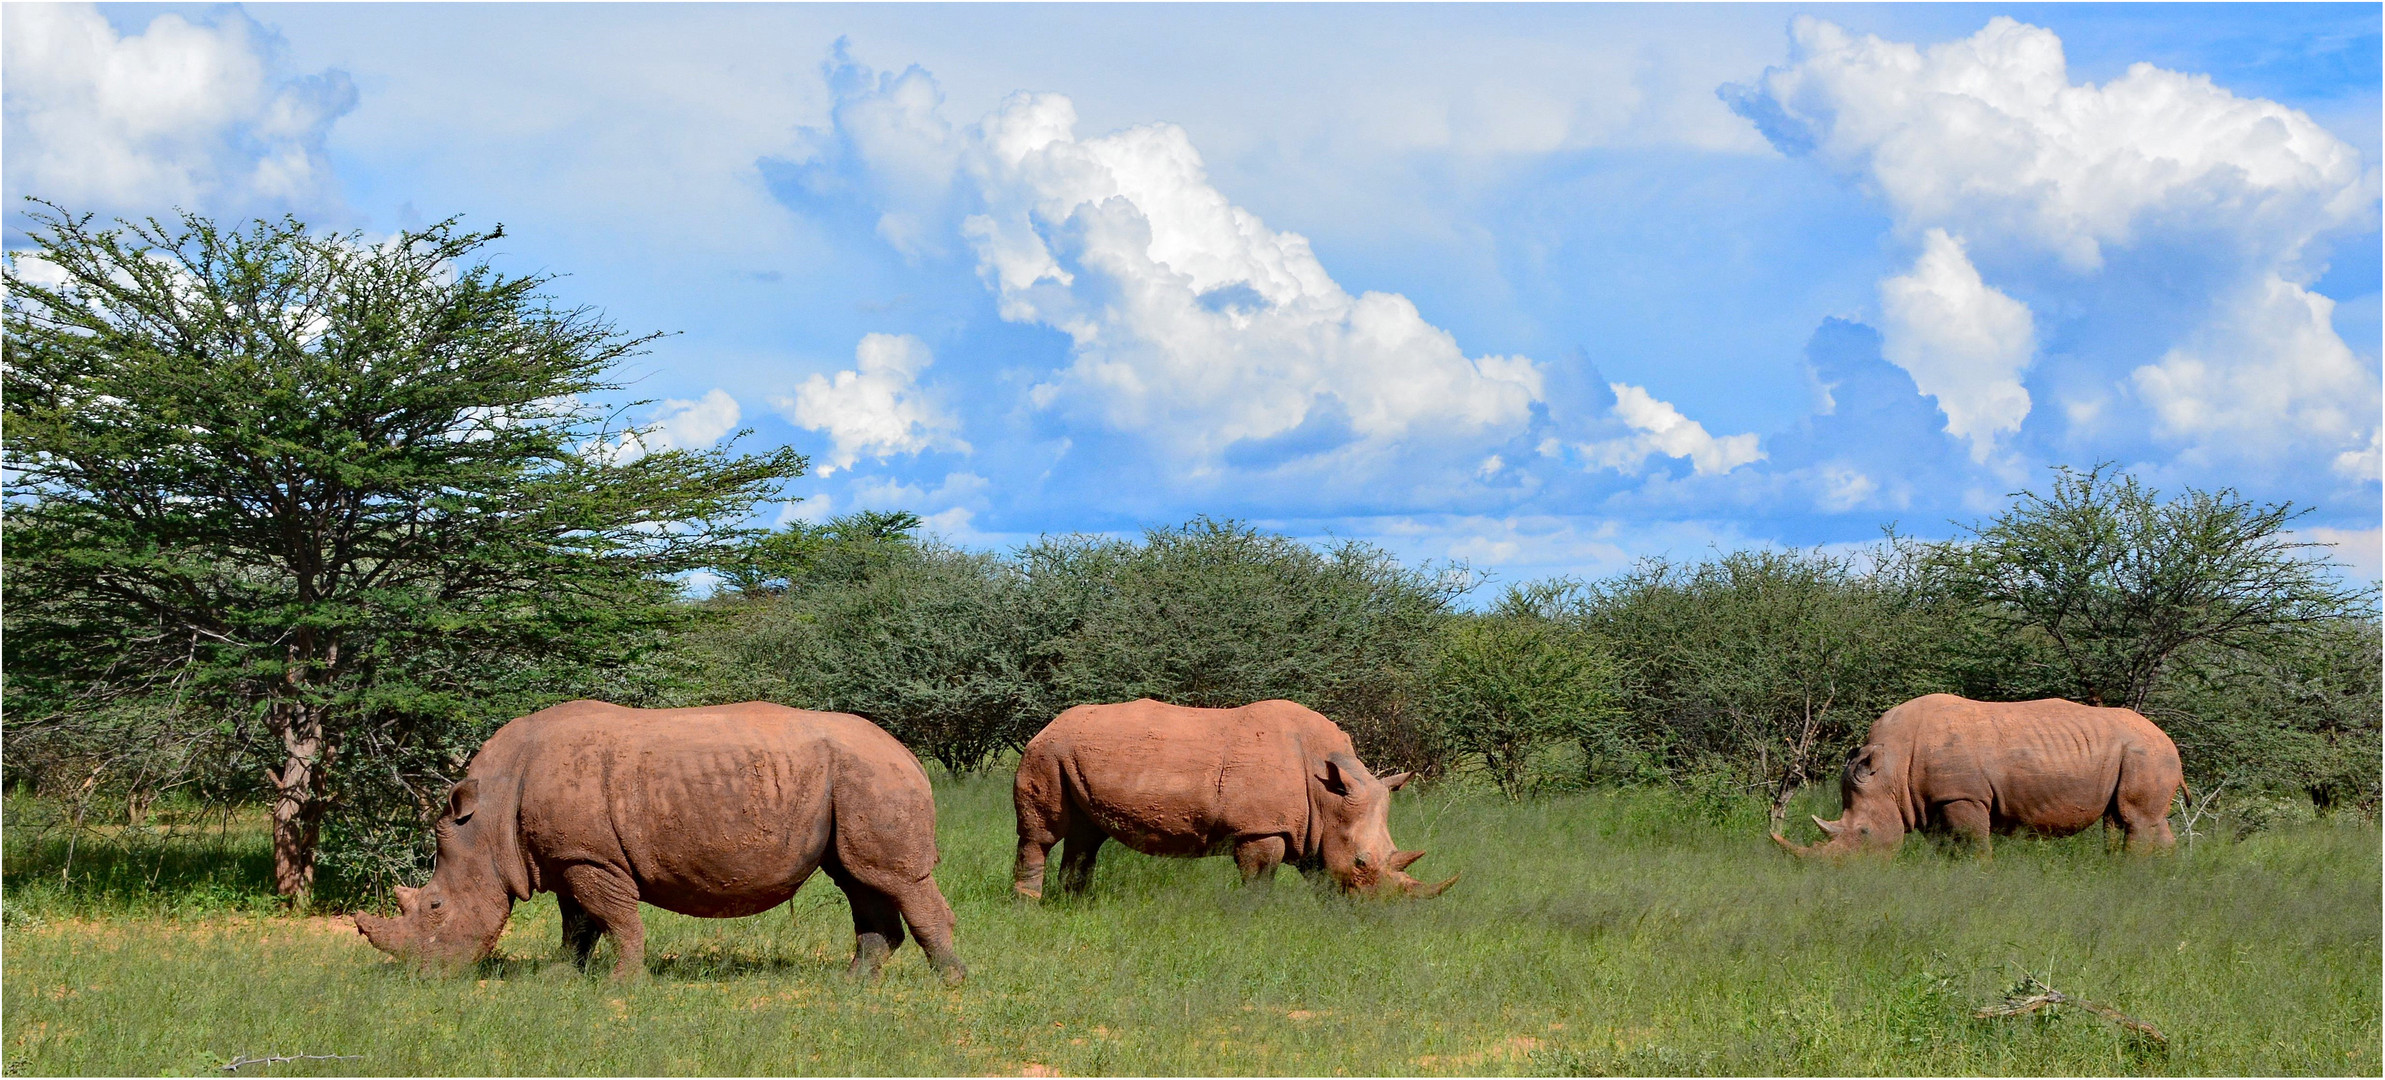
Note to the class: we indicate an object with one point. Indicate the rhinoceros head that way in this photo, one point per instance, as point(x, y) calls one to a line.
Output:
point(455, 919)
point(1353, 809)
point(1871, 820)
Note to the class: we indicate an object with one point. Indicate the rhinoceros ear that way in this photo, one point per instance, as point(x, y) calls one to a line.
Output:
point(463, 801)
point(1341, 773)
point(1861, 767)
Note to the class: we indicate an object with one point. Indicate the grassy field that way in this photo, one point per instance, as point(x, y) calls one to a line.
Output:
point(1615, 933)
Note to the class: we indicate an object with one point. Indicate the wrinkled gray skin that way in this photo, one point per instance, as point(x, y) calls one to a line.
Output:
point(714, 812)
point(1269, 783)
point(1974, 768)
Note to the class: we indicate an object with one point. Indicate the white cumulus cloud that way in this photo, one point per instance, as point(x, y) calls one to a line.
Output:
point(692, 425)
point(181, 115)
point(1988, 136)
point(2268, 375)
point(1965, 343)
point(1193, 323)
point(1188, 312)
point(876, 409)
point(2228, 202)
point(1659, 428)
point(1845, 487)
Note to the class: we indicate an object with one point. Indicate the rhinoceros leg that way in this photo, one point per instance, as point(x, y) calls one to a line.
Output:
point(924, 907)
point(610, 899)
point(2148, 828)
point(1259, 858)
point(882, 903)
point(877, 922)
point(580, 930)
point(2142, 801)
point(1076, 856)
point(1968, 820)
point(1035, 848)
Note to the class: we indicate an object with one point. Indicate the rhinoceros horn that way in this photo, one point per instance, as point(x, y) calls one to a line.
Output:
point(405, 898)
point(1830, 827)
point(1401, 860)
point(1422, 891)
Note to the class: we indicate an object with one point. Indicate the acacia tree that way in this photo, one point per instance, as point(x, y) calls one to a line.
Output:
point(305, 468)
point(2117, 581)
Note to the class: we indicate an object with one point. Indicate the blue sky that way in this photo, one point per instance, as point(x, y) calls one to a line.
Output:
point(1542, 288)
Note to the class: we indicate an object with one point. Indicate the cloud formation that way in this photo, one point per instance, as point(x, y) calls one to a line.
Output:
point(189, 115)
point(677, 424)
point(876, 409)
point(2268, 375)
point(692, 425)
point(1964, 343)
point(1187, 312)
point(2214, 212)
point(1987, 136)
point(1659, 428)
point(1192, 324)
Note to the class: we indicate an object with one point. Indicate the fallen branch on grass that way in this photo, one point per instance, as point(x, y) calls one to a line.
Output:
point(239, 1063)
point(2031, 995)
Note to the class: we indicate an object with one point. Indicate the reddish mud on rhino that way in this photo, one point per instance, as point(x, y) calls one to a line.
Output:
point(1272, 782)
point(713, 812)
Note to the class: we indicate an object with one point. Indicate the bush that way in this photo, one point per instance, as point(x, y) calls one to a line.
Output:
point(932, 644)
point(1505, 685)
point(1770, 665)
point(2302, 717)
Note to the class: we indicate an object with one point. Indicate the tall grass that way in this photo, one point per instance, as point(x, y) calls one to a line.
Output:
point(1599, 932)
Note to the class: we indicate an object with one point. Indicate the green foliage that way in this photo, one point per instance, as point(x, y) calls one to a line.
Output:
point(2117, 580)
point(839, 549)
point(1768, 665)
point(931, 643)
point(1505, 685)
point(2299, 717)
point(1603, 932)
point(344, 487)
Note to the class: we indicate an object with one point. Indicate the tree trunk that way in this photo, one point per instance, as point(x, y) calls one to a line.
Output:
point(298, 788)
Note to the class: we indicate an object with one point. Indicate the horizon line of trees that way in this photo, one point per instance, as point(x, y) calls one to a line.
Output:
point(299, 521)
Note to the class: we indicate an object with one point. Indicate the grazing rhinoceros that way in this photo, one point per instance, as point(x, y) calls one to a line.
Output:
point(1976, 767)
point(713, 812)
point(1272, 782)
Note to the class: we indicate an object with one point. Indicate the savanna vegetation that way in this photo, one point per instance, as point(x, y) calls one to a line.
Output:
point(1640, 930)
point(295, 521)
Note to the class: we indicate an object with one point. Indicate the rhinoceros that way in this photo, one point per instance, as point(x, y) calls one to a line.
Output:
point(714, 812)
point(1271, 783)
point(2052, 767)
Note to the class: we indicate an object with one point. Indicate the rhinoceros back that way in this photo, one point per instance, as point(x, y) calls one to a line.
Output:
point(2052, 765)
point(714, 811)
point(1172, 780)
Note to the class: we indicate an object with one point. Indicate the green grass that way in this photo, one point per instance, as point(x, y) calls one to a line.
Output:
point(1607, 932)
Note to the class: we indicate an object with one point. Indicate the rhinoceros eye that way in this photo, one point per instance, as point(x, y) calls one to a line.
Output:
point(1362, 860)
point(437, 904)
